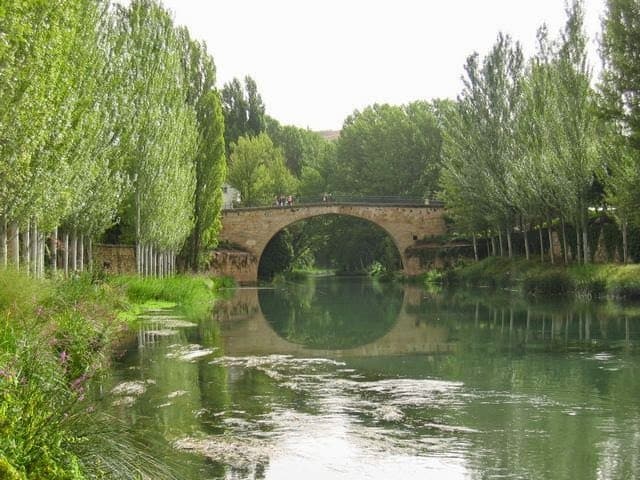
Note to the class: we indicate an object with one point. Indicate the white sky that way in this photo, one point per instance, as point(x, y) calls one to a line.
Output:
point(316, 61)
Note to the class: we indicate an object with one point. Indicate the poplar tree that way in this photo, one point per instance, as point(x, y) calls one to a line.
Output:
point(620, 86)
point(209, 161)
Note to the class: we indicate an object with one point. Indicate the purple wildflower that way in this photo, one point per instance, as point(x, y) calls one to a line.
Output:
point(64, 357)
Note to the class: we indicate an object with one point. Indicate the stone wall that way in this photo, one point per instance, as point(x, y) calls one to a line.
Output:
point(115, 259)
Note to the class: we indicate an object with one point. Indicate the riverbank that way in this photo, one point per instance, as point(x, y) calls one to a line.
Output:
point(535, 278)
point(56, 339)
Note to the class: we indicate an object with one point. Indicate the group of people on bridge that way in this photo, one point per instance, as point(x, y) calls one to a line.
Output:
point(282, 201)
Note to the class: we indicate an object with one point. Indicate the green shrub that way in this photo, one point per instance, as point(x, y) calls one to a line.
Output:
point(625, 282)
point(550, 282)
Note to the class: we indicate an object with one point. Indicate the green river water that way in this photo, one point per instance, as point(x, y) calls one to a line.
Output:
point(337, 378)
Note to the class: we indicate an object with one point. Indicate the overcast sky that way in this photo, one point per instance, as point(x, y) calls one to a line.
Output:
point(315, 62)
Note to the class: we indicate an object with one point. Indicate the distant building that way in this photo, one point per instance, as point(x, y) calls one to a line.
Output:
point(230, 196)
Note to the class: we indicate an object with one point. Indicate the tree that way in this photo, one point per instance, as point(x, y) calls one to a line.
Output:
point(390, 150)
point(163, 142)
point(209, 161)
point(620, 86)
point(244, 111)
point(257, 170)
point(482, 146)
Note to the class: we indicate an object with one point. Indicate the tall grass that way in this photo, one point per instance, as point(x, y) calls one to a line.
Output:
point(55, 337)
point(193, 295)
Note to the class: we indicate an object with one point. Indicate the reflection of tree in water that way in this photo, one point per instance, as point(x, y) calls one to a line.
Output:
point(332, 314)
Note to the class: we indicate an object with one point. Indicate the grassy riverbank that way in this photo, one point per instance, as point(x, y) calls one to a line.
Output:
point(535, 278)
point(56, 337)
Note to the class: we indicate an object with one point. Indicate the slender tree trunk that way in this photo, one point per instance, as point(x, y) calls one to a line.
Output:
point(81, 252)
point(525, 234)
point(14, 245)
point(541, 244)
point(565, 247)
point(35, 248)
point(509, 246)
point(53, 251)
point(550, 235)
point(578, 244)
point(4, 253)
point(139, 249)
point(138, 258)
point(500, 241)
point(494, 251)
point(26, 248)
point(625, 242)
point(90, 253)
point(585, 237)
point(475, 246)
point(66, 254)
point(42, 243)
point(74, 252)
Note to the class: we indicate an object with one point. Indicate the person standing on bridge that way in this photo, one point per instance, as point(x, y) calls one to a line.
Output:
point(290, 201)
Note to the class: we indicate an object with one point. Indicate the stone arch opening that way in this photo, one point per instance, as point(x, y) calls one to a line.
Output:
point(336, 241)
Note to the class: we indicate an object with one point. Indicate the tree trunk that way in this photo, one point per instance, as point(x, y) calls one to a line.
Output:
point(81, 252)
point(35, 249)
point(625, 242)
point(494, 251)
point(4, 254)
point(139, 249)
point(509, 246)
point(500, 242)
point(138, 258)
point(42, 243)
point(565, 246)
point(578, 244)
point(14, 245)
point(541, 244)
point(475, 246)
point(74, 252)
point(585, 237)
point(26, 248)
point(66, 254)
point(550, 235)
point(53, 251)
point(90, 253)
point(526, 241)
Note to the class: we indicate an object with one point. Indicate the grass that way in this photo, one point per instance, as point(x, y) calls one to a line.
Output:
point(55, 338)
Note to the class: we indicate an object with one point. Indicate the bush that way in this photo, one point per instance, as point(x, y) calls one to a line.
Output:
point(550, 282)
point(625, 282)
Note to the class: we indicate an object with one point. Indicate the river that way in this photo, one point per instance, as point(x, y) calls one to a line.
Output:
point(338, 378)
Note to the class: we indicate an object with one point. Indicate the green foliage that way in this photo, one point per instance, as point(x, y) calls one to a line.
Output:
point(257, 170)
point(550, 282)
point(243, 110)
point(620, 86)
point(53, 339)
point(625, 282)
point(389, 150)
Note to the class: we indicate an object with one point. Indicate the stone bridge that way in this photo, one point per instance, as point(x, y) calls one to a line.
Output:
point(246, 331)
point(253, 228)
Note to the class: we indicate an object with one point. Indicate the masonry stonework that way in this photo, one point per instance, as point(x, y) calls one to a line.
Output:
point(252, 228)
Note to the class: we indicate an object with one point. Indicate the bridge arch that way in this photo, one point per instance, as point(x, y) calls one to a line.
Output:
point(251, 229)
point(368, 221)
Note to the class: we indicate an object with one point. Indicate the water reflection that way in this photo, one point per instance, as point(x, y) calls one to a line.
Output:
point(447, 384)
point(332, 313)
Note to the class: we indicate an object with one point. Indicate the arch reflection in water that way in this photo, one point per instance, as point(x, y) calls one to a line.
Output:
point(332, 314)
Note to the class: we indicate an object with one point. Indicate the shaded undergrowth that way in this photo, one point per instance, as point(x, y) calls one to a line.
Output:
point(535, 278)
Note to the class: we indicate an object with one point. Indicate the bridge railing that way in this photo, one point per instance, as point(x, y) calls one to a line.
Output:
point(350, 200)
